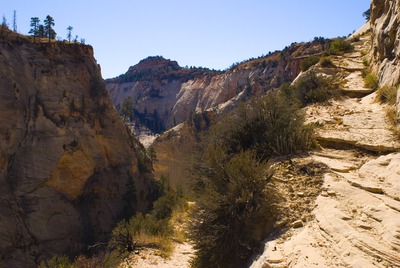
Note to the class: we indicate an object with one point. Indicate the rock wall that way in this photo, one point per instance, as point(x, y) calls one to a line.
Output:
point(165, 94)
point(385, 22)
point(68, 168)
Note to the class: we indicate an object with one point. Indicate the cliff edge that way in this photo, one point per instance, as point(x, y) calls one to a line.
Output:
point(68, 168)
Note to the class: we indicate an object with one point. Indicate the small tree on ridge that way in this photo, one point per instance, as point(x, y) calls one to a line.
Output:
point(15, 21)
point(48, 27)
point(69, 34)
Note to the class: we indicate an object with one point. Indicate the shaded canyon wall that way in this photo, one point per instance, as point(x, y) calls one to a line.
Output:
point(68, 168)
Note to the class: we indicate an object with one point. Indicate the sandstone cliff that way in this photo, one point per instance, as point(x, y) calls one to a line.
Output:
point(165, 94)
point(68, 168)
point(385, 22)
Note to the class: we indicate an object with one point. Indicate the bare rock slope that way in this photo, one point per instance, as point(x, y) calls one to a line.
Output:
point(356, 218)
point(68, 169)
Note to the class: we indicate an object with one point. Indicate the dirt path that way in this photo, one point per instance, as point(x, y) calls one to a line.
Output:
point(149, 259)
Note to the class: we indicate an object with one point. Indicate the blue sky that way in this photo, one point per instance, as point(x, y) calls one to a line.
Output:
point(207, 33)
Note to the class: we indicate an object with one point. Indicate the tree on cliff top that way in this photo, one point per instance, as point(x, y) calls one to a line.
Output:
point(15, 21)
point(48, 27)
point(41, 31)
point(35, 27)
point(69, 33)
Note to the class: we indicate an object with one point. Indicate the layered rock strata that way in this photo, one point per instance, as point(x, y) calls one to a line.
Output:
point(164, 94)
point(68, 168)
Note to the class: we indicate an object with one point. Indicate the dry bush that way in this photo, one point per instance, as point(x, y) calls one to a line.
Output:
point(371, 81)
point(314, 88)
point(234, 209)
point(387, 94)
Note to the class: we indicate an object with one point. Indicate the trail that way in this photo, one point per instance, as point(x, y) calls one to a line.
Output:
point(356, 216)
point(149, 259)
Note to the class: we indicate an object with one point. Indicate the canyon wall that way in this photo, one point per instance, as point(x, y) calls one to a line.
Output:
point(164, 94)
point(385, 22)
point(68, 168)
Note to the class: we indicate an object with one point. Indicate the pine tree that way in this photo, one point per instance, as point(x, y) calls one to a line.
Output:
point(41, 31)
point(15, 21)
point(69, 33)
point(48, 27)
point(127, 109)
point(35, 27)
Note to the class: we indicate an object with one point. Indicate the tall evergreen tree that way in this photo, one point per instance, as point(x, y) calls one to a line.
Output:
point(69, 33)
point(15, 21)
point(35, 27)
point(41, 31)
point(127, 109)
point(48, 27)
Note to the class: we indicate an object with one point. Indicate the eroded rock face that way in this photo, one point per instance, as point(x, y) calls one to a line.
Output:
point(385, 22)
point(68, 169)
point(165, 94)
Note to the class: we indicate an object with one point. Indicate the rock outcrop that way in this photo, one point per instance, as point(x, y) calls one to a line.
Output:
point(68, 167)
point(165, 94)
point(385, 22)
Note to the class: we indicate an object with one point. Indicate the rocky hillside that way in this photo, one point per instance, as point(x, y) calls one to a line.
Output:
point(68, 168)
point(165, 94)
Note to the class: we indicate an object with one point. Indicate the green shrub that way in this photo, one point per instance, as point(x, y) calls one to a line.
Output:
point(235, 206)
point(140, 230)
point(97, 87)
point(103, 259)
point(57, 262)
point(371, 81)
point(394, 120)
point(340, 46)
point(144, 161)
point(234, 209)
point(387, 94)
point(150, 230)
point(355, 39)
point(272, 125)
point(123, 235)
point(326, 62)
point(313, 88)
point(308, 62)
point(365, 71)
point(165, 205)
